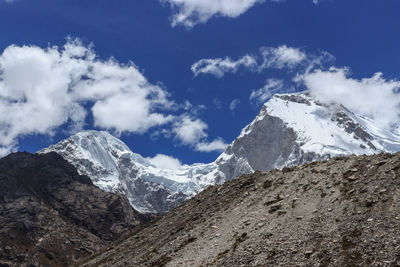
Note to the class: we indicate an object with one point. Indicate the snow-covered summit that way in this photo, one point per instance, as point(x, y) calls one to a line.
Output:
point(112, 166)
point(329, 128)
point(290, 129)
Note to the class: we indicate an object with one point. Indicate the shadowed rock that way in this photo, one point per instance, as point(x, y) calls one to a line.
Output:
point(52, 216)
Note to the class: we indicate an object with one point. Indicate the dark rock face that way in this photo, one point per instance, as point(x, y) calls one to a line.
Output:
point(340, 212)
point(352, 127)
point(269, 133)
point(269, 144)
point(295, 98)
point(160, 198)
point(52, 216)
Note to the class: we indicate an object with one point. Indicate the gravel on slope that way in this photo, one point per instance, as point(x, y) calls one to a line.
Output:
point(341, 212)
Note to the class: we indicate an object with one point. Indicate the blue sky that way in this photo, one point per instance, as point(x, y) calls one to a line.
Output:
point(361, 37)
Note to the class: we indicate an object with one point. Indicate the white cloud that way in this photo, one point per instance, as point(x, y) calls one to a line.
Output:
point(281, 57)
point(127, 112)
point(193, 109)
point(165, 162)
point(234, 104)
point(373, 97)
point(287, 59)
point(219, 66)
point(271, 87)
point(42, 89)
point(192, 12)
point(218, 145)
point(192, 131)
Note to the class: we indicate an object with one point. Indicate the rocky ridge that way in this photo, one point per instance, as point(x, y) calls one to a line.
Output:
point(52, 216)
point(341, 212)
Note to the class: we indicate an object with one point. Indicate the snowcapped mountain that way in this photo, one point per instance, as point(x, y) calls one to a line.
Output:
point(112, 166)
point(291, 129)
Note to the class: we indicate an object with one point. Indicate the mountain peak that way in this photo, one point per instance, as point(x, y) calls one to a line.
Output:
point(114, 167)
point(290, 129)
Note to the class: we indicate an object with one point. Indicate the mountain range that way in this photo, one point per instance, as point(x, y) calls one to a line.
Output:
point(291, 129)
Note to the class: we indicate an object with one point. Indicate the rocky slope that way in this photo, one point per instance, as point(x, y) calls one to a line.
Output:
point(291, 129)
point(52, 216)
point(340, 212)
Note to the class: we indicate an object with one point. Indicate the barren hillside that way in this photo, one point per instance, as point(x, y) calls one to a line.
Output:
point(344, 211)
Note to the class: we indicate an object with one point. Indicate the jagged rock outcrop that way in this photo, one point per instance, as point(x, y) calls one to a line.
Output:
point(52, 216)
point(340, 212)
point(290, 129)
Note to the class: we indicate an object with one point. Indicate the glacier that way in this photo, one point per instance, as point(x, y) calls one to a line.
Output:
point(290, 129)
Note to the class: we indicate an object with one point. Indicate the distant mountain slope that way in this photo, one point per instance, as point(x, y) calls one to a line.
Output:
point(341, 212)
point(291, 129)
point(51, 216)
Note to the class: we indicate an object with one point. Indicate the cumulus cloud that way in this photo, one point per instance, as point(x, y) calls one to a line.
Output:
point(192, 12)
point(374, 97)
point(220, 66)
point(234, 104)
point(165, 162)
point(192, 131)
point(218, 145)
point(281, 57)
point(44, 88)
point(271, 87)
